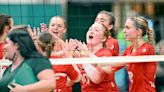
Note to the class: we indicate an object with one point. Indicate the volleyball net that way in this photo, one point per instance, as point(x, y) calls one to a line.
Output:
point(114, 59)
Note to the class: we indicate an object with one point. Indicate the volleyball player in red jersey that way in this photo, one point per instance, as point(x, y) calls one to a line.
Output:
point(108, 19)
point(94, 79)
point(6, 23)
point(46, 42)
point(58, 27)
point(141, 74)
point(67, 74)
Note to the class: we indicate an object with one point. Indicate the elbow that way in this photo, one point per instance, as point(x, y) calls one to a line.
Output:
point(78, 78)
point(52, 84)
point(97, 80)
point(71, 82)
point(108, 69)
point(98, 77)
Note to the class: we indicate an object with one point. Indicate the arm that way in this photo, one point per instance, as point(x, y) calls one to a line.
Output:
point(78, 78)
point(109, 68)
point(60, 53)
point(73, 76)
point(46, 83)
point(95, 74)
point(112, 67)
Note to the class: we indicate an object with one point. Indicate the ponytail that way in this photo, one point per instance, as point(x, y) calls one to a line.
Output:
point(141, 23)
point(151, 37)
point(48, 49)
point(106, 34)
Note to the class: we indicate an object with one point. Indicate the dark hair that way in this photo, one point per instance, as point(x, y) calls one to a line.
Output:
point(111, 22)
point(4, 21)
point(46, 42)
point(25, 42)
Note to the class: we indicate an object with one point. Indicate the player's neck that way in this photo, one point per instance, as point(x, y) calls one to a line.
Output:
point(138, 43)
point(2, 37)
point(95, 48)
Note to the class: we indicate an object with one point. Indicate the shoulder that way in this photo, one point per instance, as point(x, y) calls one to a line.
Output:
point(39, 64)
point(112, 44)
point(147, 48)
point(112, 40)
point(38, 61)
point(129, 48)
point(1, 43)
point(103, 52)
point(147, 45)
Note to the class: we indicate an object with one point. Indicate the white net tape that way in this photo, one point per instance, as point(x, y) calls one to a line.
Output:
point(118, 59)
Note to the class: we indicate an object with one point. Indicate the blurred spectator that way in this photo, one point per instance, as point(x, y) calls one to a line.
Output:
point(160, 68)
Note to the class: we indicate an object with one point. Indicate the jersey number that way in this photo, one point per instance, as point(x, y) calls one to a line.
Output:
point(130, 76)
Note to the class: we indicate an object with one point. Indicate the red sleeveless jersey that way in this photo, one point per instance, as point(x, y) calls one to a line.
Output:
point(141, 75)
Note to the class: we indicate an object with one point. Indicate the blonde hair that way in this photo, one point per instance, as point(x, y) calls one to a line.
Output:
point(106, 34)
point(62, 18)
point(141, 23)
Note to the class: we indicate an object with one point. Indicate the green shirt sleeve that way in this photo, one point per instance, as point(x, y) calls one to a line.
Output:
point(39, 64)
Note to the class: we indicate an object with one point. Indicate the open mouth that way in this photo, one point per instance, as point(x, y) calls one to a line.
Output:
point(90, 37)
point(56, 33)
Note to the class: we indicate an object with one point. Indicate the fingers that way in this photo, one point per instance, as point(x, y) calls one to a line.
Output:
point(73, 44)
point(70, 44)
point(43, 27)
point(61, 74)
point(38, 31)
point(34, 30)
point(58, 75)
point(79, 48)
point(12, 85)
point(29, 29)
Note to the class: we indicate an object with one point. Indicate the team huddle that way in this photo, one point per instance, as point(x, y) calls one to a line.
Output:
point(22, 44)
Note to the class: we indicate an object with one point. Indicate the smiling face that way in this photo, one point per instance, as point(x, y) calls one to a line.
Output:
point(57, 26)
point(95, 34)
